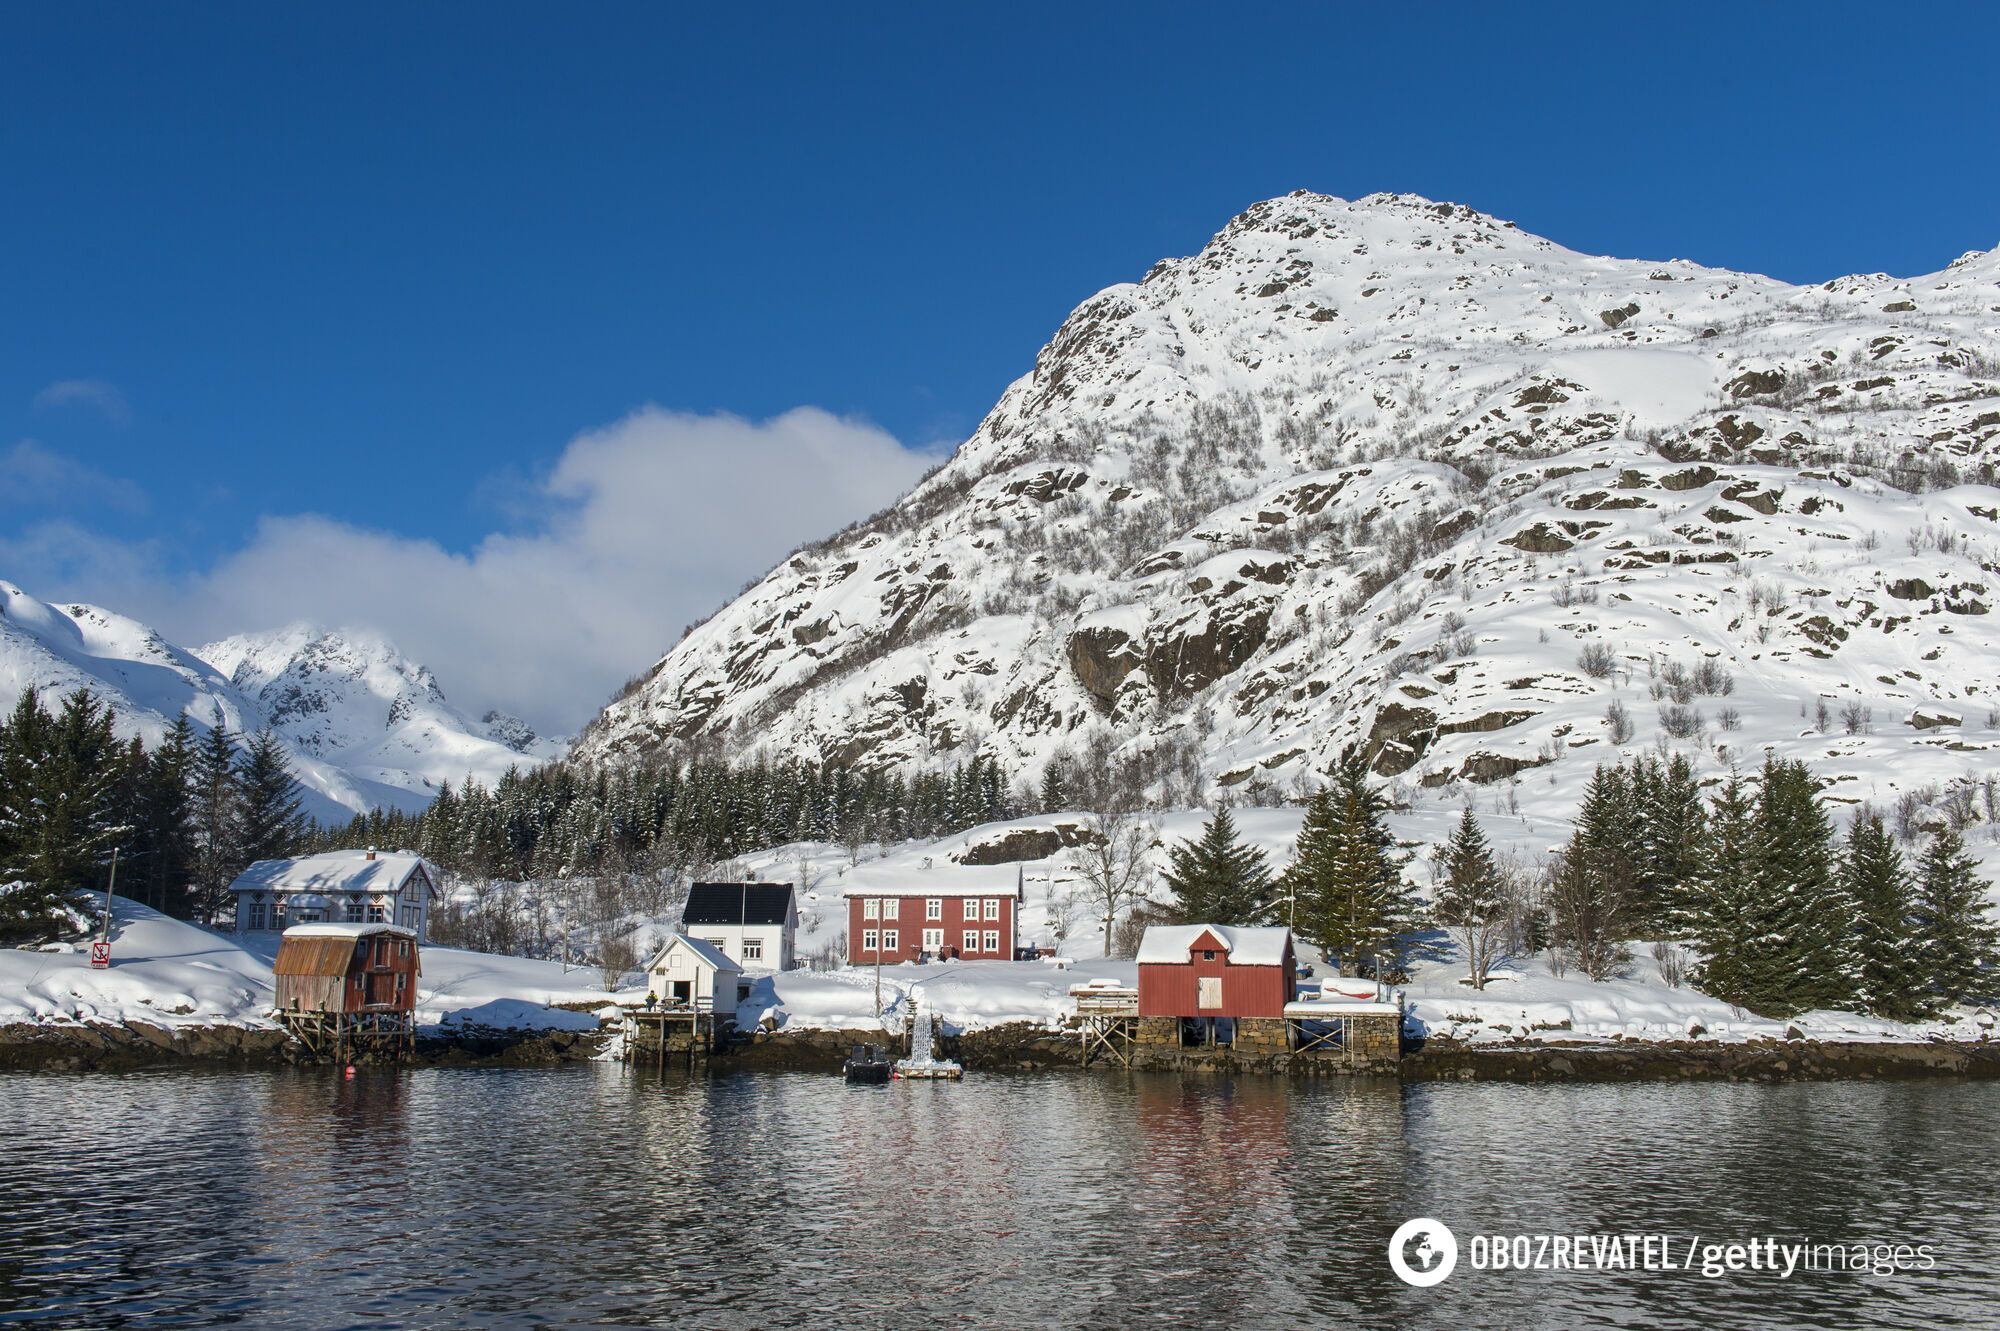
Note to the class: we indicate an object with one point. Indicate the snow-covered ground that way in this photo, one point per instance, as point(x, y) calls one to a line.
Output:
point(166, 972)
point(1522, 999)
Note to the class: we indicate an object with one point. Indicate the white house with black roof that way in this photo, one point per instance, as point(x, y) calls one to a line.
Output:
point(755, 925)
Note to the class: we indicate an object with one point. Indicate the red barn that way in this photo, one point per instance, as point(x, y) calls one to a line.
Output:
point(348, 986)
point(903, 923)
point(1216, 970)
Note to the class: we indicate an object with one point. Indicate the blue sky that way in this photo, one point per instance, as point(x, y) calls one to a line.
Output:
point(386, 264)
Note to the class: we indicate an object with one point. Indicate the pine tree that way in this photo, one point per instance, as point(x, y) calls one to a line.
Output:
point(268, 801)
point(1594, 889)
point(213, 807)
point(1469, 901)
point(1347, 895)
point(1668, 805)
point(1879, 885)
point(1958, 945)
point(60, 780)
point(164, 838)
point(1725, 892)
point(1218, 880)
point(1800, 953)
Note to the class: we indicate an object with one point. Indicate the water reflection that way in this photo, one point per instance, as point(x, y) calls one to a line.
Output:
point(618, 1197)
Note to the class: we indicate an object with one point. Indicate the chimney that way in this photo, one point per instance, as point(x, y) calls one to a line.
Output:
point(371, 852)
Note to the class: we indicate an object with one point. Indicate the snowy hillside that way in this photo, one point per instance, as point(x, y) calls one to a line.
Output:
point(1395, 471)
point(365, 727)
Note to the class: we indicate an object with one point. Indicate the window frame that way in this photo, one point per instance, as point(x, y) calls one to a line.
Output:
point(993, 908)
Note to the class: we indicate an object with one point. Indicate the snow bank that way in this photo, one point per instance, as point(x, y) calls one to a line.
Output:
point(167, 972)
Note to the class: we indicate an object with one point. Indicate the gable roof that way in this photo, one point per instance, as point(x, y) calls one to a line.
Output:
point(737, 903)
point(335, 871)
point(707, 952)
point(1247, 945)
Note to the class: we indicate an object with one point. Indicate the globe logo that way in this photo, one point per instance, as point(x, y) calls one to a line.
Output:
point(1422, 1252)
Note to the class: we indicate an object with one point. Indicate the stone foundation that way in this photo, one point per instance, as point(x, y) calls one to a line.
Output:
point(1262, 1037)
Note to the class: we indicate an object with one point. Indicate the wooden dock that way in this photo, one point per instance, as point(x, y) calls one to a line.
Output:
point(684, 1034)
point(1107, 1022)
point(388, 1033)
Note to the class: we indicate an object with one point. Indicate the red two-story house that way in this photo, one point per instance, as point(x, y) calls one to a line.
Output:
point(898, 923)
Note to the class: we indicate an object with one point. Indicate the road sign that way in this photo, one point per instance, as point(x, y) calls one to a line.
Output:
point(100, 953)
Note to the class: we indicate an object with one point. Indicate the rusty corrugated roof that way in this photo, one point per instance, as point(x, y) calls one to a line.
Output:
point(314, 956)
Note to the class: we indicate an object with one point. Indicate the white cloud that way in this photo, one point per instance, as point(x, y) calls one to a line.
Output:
point(105, 397)
point(645, 525)
point(34, 476)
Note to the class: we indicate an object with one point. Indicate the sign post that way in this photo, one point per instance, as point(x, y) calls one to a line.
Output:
point(100, 948)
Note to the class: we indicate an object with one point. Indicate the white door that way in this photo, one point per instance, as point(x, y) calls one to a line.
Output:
point(1208, 991)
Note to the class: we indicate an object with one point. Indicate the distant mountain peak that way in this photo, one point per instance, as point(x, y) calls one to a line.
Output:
point(365, 725)
point(1379, 471)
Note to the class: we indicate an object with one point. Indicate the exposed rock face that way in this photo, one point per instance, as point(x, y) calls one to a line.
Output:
point(1101, 659)
point(1026, 843)
point(1377, 472)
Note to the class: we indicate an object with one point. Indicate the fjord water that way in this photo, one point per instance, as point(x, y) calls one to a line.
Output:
point(604, 1196)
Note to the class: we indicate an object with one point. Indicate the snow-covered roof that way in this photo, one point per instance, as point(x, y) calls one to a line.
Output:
point(1247, 945)
point(947, 888)
point(333, 871)
point(1329, 1011)
point(708, 953)
point(347, 931)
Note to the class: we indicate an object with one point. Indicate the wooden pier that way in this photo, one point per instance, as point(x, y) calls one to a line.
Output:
point(680, 1033)
point(342, 1036)
point(1107, 1022)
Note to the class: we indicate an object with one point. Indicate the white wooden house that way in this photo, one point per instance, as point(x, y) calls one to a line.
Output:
point(688, 972)
point(755, 924)
point(338, 887)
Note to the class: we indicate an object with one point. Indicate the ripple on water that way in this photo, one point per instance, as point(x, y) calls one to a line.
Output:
point(602, 1196)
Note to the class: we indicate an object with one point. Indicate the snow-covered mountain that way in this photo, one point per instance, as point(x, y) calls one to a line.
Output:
point(1393, 470)
point(365, 726)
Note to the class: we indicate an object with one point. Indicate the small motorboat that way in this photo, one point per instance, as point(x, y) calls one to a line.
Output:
point(867, 1063)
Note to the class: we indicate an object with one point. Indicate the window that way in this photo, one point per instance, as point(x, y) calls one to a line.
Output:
point(891, 940)
point(871, 909)
point(717, 943)
point(891, 909)
point(354, 910)
point(934, 908)
point(258, 915)
point(992, 940)
point(376, 915)
point(403, 947)
point(869, 941)
point(753, 949)
point(971, 943)
point(402, 981)
point(1208, 954)
point(993, 908)
point(972, 908)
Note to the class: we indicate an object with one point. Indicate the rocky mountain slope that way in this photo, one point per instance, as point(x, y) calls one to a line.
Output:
point(365, 726)
point(1395, 471)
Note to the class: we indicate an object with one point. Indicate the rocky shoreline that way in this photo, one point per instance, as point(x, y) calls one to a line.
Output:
point(107, 1047)
point(1022, 1047)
